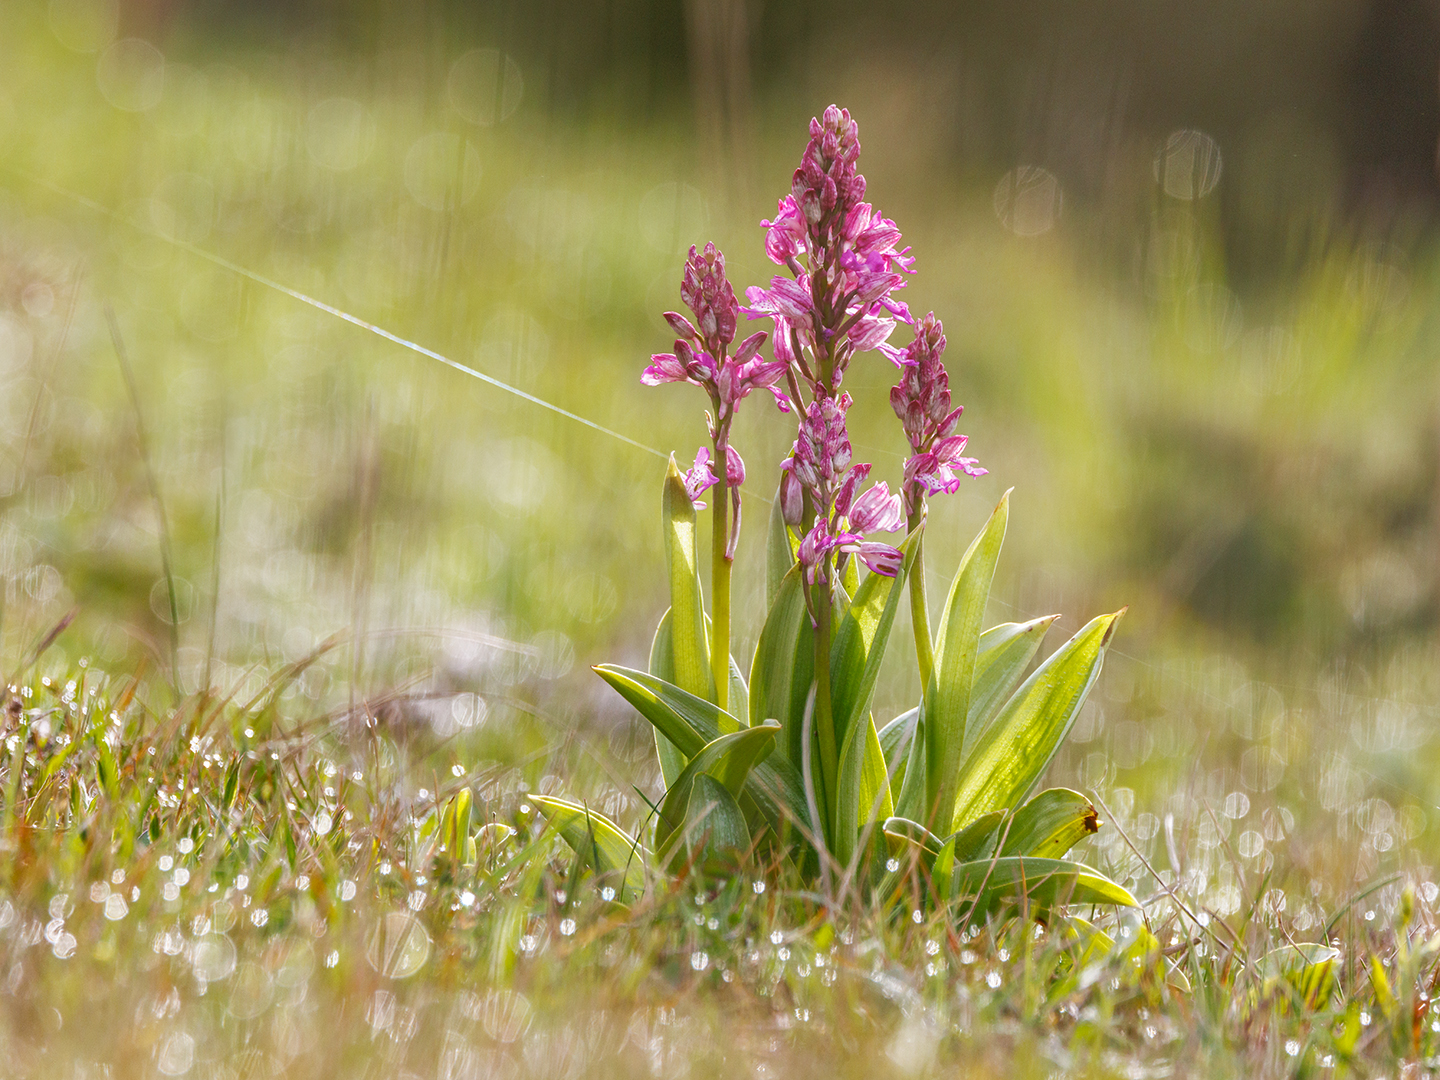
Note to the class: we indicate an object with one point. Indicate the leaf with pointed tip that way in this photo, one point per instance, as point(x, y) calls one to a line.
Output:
point(690, 722)
point(714, 824)
point(909, 833)
point(686, 720)
point(1032, 725)
point(946, 704)
point(864, 788)
point(599, 841)
point(690, 647)
point(861, 637)
point(1004, 654)
point(895, 742)
point(1045, 882)
point(784, 666)
point(729, 759)
point(1050, 824)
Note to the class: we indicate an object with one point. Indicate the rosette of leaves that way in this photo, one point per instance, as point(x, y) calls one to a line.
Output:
point(945, 790)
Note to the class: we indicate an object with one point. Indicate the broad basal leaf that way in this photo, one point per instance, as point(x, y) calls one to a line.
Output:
point(1050, 824)
point(1004, 654)
point(714, 824)
point(728, 759)
point(946, 703)
point(864, 788)
point(1042, 882)
point(598, 841)
point(689, 645)
point(1003, 768)
point(686, 720)
point(784, 666)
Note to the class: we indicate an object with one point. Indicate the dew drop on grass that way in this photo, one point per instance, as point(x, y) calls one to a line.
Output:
point(758, 887)
point(892, 865)
point(567, 927)
point(1292, 1047)
point(347, 891)
point(992, 980)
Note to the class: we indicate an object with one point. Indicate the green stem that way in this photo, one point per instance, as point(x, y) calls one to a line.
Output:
point(919, 607)
point(824, 713)
point(720, 586)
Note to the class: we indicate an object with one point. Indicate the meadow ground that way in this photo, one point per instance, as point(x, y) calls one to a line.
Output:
point(320, 583)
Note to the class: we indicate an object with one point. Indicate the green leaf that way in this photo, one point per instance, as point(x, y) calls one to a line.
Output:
point(455, 826)
point(714, 824)
point(690, 647)
point(895, 741)
point(784, 666)
point(662, 666)
point(859, 646)
point(598, 841)
point(728, 759)
point(1032, 725)
point(977, 840)
point(690, 723)
point(780, 548)
point(1004, 654)
point(850, 576)
point(1045, 882)
point(1050, 824)
point(864, 787)
point(909, 833)
point(686, 720)
point(739, 701)
point(946, 704)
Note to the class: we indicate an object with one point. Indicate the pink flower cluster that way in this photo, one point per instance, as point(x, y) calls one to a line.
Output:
point(921, 399)
point(700, 347)
point(844, 258)
point(819, 467)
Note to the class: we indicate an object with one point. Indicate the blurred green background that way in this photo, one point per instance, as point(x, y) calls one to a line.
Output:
point(1185, 257)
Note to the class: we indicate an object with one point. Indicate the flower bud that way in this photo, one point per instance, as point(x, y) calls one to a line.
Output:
point(792, 499)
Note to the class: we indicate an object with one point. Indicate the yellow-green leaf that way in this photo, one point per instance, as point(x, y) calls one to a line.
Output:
point(1034, 722)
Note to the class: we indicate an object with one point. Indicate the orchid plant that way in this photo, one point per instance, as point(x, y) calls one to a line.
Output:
point(788, 759)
